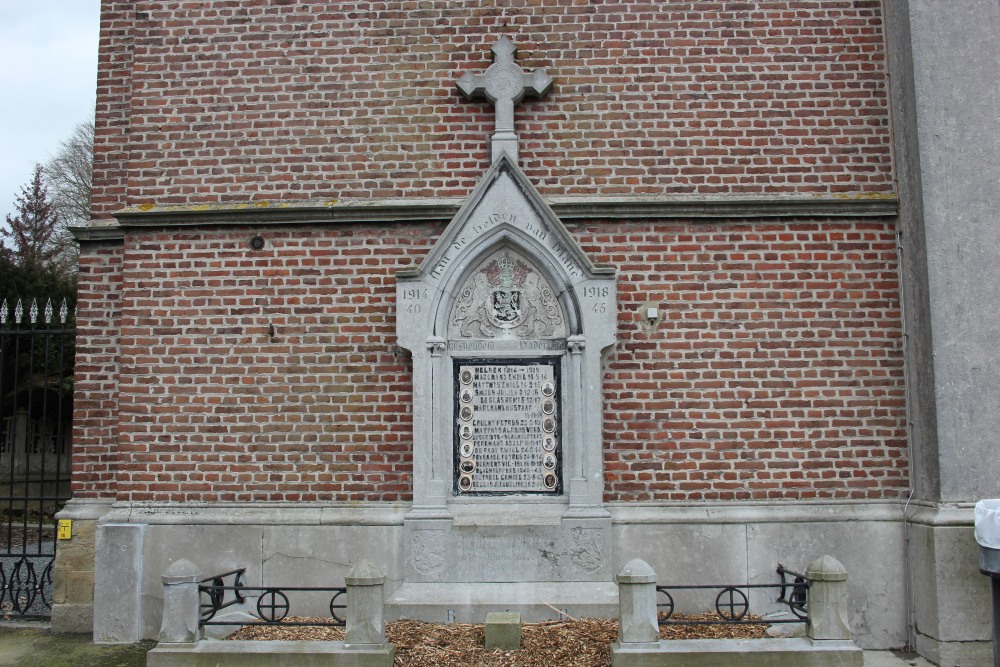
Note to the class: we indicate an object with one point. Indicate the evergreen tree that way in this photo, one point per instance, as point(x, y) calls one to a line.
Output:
point(33, 261)
point(32, 233)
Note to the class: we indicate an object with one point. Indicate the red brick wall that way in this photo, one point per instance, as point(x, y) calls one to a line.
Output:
point(95, 400)
point(204, 102)
point(215, 407)
point(274, 375)
point(114, 96)
point(776, 373)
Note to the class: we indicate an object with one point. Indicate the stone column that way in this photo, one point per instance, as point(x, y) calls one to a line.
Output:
point(942, 59)
point(574, 425)
point(365, 618)
point(181, 606)
point(827, 599)
point(637, 624)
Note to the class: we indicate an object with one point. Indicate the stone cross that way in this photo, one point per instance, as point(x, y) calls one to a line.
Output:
point(504, 84)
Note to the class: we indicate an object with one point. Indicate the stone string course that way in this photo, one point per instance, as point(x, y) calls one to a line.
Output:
point(258, 100)
point(776, 371)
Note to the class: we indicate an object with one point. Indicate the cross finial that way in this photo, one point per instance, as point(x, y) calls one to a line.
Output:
point(504, 84)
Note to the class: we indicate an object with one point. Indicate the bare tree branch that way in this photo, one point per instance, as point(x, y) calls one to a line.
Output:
point(69, 175)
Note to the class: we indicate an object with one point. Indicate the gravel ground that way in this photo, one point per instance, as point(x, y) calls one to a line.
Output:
point(569, 643)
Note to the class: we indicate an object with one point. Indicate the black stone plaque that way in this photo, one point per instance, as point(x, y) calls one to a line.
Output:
point(507, 437)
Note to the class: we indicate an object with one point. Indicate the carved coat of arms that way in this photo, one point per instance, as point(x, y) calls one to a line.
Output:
point(506, 297)
point(427, 551)
point(587, 552)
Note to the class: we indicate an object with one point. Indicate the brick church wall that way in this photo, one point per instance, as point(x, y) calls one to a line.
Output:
point(95, 401)
point(114, 96)
point(274, 374)
point(777, 372)
point(236, 101)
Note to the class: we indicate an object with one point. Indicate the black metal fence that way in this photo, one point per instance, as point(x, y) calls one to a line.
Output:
point(272, 605)
point(733, 601)
point(36, 411)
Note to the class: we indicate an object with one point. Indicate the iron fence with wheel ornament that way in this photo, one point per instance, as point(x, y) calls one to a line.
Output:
point(732, 601)
point(273, 604)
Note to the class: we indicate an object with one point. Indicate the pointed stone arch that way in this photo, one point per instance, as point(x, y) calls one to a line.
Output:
point(505, 213)
point(541, 269)
point(506, 319)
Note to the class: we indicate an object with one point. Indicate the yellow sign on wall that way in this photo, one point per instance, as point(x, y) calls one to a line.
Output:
point(65, 531)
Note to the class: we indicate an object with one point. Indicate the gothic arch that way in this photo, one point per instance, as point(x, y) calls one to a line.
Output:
point(513, 239)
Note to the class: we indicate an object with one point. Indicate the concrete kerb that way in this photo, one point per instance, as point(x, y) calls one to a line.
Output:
point(182, 644)
point(828, 643)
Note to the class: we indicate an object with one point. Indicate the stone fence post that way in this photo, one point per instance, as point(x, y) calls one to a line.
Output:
point(181, 606)
point(365, 618)
point(827, 599)
point(637, 622)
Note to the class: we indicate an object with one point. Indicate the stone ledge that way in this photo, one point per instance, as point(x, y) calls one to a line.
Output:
point(302, 514)
point(380, 211)
point(391, 514)
point(269, 654)
point(84, 509)
point(798, 652)
point(741, 512)
point(957, 515)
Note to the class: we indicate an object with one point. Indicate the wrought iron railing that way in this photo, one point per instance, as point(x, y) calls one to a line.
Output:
point(36, 406)
point(732, 602)
point(272, 604)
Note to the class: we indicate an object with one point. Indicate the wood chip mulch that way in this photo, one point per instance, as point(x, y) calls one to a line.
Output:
point(569, 643)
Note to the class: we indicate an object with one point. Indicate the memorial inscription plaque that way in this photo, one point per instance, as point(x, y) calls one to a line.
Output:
point(507, 427)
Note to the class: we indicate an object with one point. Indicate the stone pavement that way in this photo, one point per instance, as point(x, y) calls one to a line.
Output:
point(893, 659)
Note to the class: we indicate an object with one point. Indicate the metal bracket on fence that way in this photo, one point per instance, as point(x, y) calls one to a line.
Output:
point(796, 601)
point(216, 592)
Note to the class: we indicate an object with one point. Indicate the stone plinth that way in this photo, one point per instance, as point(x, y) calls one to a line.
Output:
point(503, 631)
point(827, 599)
point(637, 604)
point(508, 543)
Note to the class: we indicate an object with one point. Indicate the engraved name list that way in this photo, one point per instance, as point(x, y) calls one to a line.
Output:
point(507, 428)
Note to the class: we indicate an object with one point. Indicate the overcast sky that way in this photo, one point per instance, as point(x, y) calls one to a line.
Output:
point(48, 74)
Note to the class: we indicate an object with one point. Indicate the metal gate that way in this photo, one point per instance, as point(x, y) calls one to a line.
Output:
point(36, 411)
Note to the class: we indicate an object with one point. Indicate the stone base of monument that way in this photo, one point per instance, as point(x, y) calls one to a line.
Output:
point(800, 652)
point(471, 602)
point(534, 558)
point(270, 654)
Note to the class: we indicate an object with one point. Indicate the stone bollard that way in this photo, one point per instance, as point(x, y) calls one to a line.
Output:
point(827, 599)
point(365, 620)
point(181, 604)
point(637, 624)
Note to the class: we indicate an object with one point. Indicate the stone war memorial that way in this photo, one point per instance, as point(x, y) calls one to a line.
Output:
point(529, 306)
